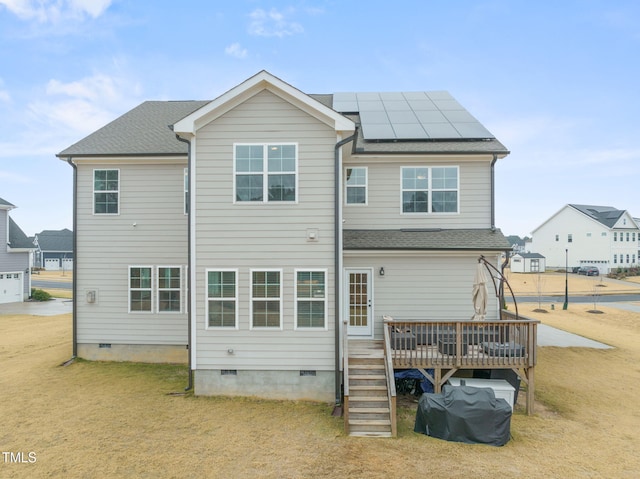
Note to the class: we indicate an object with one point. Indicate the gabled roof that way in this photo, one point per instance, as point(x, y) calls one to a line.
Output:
point(145, 130)
point(262, 81)
point(59, 241)
point(17, 238)
point(529, 255)
point(426, 239)
point(606, 215)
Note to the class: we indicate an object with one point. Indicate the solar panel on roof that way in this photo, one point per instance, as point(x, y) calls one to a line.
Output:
point(411, 116)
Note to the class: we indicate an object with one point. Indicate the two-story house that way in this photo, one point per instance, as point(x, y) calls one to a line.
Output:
point(15, 277)
point(588, 235)
point(242, 234)
point(54, 250)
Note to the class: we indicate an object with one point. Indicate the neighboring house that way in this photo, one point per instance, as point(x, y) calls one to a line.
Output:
point(15, 279)
point(517, 243)
point(54, 250)
point(584, 235)
point(528, 263)
point(267, 217)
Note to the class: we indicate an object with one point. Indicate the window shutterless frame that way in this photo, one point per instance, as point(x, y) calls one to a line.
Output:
point(140, 287)
point(356, 185)
point(311, 299)
point(266, 299)
point(429, 190)
point(169, 289)
point(106, 191)
point(221, 298)
point(265, 173)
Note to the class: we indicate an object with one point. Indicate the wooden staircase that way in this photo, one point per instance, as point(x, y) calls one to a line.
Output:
point(368, 409)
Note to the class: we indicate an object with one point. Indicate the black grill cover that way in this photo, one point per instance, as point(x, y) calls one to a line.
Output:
point(465, 414)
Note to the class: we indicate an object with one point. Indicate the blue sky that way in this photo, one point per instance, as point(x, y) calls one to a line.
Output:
point(556, 81)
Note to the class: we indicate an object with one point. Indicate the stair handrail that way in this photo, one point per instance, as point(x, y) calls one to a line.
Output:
point(389, 373)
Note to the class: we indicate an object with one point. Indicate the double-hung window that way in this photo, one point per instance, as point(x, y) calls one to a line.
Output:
point(356, 186)
point(106, 192)
point(311, 299)
point(266, 173)
point(140, 289)
point(222, 299)
point(266, 299)
point(169, 288)
point(430, 189)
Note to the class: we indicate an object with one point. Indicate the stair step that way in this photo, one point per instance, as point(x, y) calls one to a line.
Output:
point(369, 410)
point(370, 434)
point(367, 398)
point(368, 388)
point(374, 367)
point(369, 422)
point(367, 376)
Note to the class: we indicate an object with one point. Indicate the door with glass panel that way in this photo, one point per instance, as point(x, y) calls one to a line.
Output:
point(358, 302)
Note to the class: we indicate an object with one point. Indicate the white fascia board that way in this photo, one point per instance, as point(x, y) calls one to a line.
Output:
point(245, 90)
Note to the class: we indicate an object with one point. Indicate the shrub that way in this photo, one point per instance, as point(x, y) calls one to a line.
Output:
point(40, 295)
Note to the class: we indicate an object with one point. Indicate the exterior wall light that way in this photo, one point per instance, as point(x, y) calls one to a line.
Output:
point(381, 271)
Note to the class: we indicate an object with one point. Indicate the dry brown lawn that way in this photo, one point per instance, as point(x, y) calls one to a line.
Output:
point(123, 420)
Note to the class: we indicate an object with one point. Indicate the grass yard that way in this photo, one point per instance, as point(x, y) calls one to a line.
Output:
point(117, 420)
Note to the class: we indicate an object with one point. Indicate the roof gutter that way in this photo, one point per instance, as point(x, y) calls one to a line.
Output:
point(189, 339)
point(74, 286)
point(337, 262)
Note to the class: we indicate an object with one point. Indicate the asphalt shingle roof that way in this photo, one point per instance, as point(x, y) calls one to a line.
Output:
point(427, 239)
point(141, 131)
point(606, 215)
point(50, 240)
point(17, 238)
point(6, 203)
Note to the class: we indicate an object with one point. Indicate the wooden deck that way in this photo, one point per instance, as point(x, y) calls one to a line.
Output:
point(448, 346)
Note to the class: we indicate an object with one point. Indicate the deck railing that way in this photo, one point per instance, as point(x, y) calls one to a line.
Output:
point(447, 346)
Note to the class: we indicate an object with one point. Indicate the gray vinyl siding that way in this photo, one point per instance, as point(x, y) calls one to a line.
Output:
point(246, 236)
point(152, 197)
point(384, 210)
point(435, 286)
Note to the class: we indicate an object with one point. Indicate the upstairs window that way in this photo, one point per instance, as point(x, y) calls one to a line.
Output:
point(615, 236)
point(266, 173)
point(429, 189)
point(106, 192)
point(569, 238)
point(356, 186)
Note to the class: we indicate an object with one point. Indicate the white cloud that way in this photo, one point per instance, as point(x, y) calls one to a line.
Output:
point(236, 50)
point(53, 11)
point(273, 23)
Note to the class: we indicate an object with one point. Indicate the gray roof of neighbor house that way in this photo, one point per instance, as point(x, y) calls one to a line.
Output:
point(17, 238)
point(5, 204)
point(145, 130)
point(606, 215)
point(58, 241)
point(529, 255)
point(426, 239)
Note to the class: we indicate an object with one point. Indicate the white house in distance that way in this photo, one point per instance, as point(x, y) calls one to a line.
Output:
point(527, 263)
point(585, 235)
point(267, 226)
point(15, 258)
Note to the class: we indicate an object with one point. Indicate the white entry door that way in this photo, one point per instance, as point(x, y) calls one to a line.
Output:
point(359, 302)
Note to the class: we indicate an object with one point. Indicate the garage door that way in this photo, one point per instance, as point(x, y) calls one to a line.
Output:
point(10, 287)
point(52, 264)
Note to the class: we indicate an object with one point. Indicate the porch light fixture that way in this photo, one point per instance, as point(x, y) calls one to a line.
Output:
point(381, 271)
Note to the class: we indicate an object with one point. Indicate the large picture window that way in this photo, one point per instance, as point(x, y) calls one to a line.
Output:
point(106, 192)
point(266, 173)
point(169, 289)
point(140, 289)
point(430, 189)
point(266, 299)
point(222, 299)
point(311, 299)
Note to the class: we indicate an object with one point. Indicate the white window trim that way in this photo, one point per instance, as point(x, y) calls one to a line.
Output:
point(93, 187)
point(265, 174)
point(366, 186)
point(129, 289)
point(429, 192)
point(206, 298)
point(251, 298)
point(158, 289)
point(325, 300)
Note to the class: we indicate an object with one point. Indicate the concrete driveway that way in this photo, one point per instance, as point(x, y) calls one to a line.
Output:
point(38, 308)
